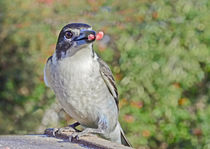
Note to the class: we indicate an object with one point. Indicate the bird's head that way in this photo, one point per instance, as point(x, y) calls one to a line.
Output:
point(72, 38)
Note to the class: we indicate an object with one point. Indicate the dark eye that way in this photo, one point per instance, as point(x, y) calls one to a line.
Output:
point(68, 34)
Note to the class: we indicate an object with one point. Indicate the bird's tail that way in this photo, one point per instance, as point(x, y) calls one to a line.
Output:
point(124, 141)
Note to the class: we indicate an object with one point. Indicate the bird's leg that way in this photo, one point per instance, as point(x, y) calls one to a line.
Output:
point(74, 125)
point(102, 126)
point(66, 129)
point(85, 132)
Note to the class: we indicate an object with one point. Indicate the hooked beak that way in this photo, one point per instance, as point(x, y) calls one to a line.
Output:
point(84, 37)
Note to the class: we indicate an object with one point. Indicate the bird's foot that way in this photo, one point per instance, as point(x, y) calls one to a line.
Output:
point(85, 132)
point(71, 128)
point(64, 130)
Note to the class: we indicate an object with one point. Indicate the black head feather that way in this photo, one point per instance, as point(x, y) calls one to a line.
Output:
point(62, 45)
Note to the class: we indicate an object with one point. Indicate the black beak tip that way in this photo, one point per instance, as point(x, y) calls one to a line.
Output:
point(86, 35)
point(90, 35)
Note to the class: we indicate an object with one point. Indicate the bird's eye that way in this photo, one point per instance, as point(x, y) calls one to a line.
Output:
point(68, 34)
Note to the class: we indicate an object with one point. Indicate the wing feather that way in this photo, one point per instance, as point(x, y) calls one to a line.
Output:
point(47, 76)
point(108, 79)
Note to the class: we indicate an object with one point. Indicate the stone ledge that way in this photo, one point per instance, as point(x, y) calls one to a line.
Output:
point(34, 142)
point(48, 141)
point(90, 141)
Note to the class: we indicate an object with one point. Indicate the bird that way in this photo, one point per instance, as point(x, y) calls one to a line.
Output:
point(83, 84)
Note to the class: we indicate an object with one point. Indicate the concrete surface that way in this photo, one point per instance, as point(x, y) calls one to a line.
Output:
point(35, 142)
point(60, 139)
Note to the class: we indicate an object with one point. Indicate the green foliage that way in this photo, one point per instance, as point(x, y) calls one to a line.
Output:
point(159, 52)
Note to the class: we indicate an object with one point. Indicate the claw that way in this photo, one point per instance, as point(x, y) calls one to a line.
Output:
point(74, 136)
point(70, 138)
point(55, 130)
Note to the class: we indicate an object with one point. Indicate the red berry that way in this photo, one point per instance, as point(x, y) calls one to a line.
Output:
point(99, 36)
point(91, 37)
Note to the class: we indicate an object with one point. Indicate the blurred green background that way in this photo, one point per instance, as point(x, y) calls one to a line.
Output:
point(158, 50)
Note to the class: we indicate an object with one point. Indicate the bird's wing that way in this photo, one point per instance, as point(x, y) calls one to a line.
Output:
point(108, 79)
point(47, 76)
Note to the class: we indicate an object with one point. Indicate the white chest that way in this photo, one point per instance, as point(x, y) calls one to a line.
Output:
point(79, 87)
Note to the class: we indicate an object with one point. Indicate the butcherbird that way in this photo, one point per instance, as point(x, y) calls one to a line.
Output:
point(83, 84)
